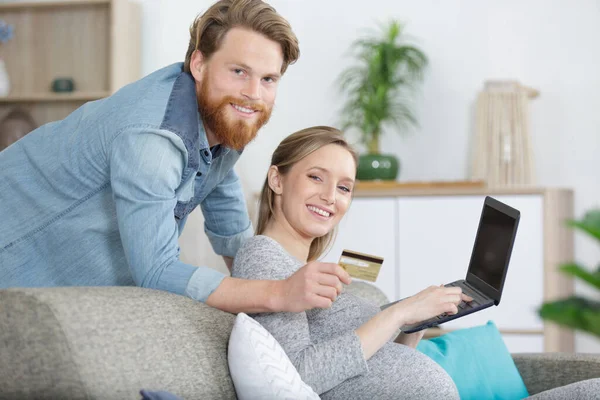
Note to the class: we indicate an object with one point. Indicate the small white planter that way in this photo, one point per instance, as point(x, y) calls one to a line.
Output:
point(4, 80)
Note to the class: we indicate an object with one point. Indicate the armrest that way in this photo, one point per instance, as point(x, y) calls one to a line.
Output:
point(544, 371)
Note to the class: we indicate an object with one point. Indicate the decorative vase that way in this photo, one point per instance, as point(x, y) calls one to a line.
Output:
point(4, 80)
point(375, 166)
point(503, 152)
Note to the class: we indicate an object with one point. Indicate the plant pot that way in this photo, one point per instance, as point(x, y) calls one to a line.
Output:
point(375, 166)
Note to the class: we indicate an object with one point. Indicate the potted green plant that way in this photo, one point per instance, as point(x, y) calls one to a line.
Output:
point(380, 89)
point(578, 312)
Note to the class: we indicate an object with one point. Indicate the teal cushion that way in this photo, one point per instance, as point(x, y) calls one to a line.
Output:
point(478, 361)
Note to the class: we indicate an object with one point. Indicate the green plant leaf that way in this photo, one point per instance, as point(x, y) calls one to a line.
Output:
point(578, 312)
point(574, 312)
point(590, 223)
point(592, 278)
point(379, 89)
point(402, 115)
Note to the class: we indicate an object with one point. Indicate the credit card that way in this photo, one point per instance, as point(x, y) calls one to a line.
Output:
point(361, 265)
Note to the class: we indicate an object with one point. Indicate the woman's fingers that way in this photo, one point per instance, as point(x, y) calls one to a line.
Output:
point(454, 299)
point(453, 290)
point(452, 308)
point(447, 298)
point(458, 290)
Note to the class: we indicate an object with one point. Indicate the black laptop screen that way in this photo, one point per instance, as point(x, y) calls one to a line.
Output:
point(492, 246)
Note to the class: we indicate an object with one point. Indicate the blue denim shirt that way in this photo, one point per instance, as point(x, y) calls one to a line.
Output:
point(101, 197)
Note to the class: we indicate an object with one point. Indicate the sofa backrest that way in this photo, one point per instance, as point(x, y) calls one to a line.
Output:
point(111, 342)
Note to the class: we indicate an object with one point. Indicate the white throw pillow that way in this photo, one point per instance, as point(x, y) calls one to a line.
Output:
point(259, 367)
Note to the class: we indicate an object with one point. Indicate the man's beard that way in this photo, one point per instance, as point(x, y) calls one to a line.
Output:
point(230, 132)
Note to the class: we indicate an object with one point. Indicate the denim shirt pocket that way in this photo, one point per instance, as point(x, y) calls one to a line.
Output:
point(185, 195)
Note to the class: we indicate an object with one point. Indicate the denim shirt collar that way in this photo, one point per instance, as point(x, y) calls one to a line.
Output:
point(183, 118)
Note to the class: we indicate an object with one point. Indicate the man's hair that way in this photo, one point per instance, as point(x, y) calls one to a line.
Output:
point(209, 29)
point(291, 150)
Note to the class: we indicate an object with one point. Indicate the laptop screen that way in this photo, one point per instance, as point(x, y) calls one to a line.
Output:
point(492, 247)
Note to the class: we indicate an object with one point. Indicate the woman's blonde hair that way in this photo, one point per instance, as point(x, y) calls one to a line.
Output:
point(209, 29)
point(291, 150)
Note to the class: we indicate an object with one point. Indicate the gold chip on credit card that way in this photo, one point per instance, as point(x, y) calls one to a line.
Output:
point(360, 265)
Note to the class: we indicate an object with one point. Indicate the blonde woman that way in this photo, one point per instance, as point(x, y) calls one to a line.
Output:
point(346, 351)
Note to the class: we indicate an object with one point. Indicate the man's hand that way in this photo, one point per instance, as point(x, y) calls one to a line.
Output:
point(315, 285)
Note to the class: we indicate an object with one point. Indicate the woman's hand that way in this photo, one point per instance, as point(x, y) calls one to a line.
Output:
point(431, 302)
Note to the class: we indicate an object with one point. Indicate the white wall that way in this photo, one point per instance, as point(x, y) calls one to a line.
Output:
point(553, 46)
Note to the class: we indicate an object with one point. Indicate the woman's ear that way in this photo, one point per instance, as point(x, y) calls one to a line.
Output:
point(274, 178)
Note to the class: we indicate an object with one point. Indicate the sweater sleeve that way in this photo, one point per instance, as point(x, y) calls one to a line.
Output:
point(322, 365)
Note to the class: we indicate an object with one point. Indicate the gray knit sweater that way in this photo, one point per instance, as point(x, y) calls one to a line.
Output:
point(322, 344)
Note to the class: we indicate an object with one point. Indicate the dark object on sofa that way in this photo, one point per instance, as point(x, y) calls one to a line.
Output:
point(16, 124)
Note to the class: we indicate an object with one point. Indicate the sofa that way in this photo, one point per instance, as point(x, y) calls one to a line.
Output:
point(111, 342)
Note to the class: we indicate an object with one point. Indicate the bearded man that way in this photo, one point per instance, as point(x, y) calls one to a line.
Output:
point(100, 197)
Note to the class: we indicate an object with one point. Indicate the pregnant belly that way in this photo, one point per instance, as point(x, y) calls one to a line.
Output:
point(397, 372)
point(347, 313)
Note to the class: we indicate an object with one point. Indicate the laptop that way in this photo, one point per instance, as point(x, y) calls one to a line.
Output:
point(488, 265)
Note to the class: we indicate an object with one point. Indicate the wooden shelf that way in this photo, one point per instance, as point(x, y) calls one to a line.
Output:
point(50, 4)
point(440, 188)
point(378, 185)
point(96, 43)
point(53, 97)
point(435, 332)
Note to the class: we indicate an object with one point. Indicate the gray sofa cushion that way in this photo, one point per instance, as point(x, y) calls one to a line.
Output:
point(110, 343)
point(583, 390)
point(544, 371)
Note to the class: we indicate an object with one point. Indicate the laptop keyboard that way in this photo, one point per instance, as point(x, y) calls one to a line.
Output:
point(479, 301)
point(463, 307)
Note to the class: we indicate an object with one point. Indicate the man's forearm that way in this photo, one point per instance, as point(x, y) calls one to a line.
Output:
point(249, 296)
